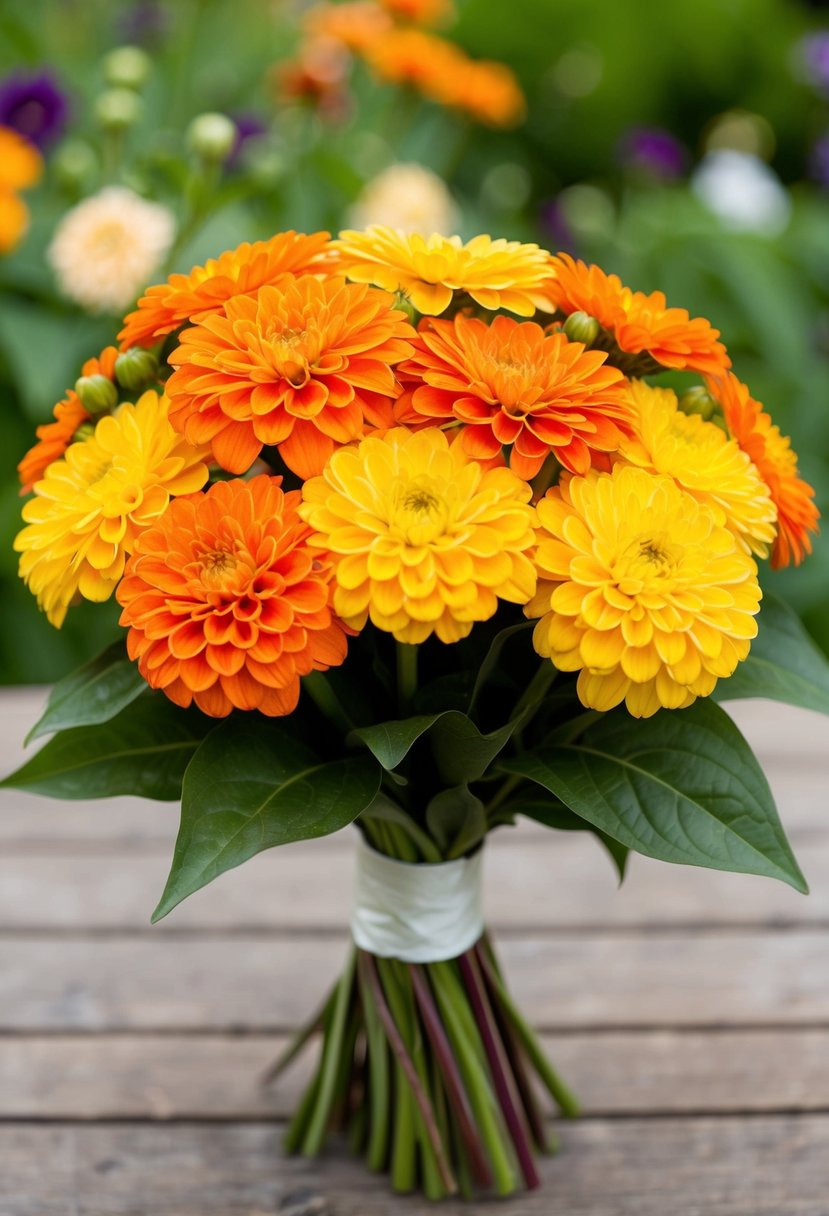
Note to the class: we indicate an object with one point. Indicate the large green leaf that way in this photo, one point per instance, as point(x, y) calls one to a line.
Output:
point(251, 786)
point(391, 742)
point(682, 786)
point(461, 752)
point(784, 664)
point(456, 820)
point(144, 750)
point(94, 693)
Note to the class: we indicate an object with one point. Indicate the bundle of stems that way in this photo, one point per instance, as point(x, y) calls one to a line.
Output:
point(428, 1070)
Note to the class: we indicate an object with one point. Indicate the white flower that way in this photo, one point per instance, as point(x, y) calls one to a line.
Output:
point(408, 197)
point(742, 191)
point(106, 248)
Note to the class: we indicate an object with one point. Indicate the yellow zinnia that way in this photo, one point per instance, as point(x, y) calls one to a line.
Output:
point(704, 461)
point(641, 591)
point(89, 507)
point(429, 270)
point(424, 540)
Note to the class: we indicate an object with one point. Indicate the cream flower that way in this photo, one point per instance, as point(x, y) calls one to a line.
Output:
point(408, 197)
point(106, 248)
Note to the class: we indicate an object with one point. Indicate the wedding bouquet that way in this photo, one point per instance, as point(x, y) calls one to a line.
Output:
point(390, 553)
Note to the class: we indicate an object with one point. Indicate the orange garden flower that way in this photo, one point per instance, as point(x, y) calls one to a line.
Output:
point(429, 270)
point(490, 93)
point(20, 167)
point(420, 12)
point(227, 604)
point(639, 323)
point(303, 364)
point(54, 437)
point(703, 461)
point(90, 507)
point(509, 383)
point(316, 74)
point(241, 271)
point(424, 540)
point(355, 24)
point(426, 62)
point(640, 591)
point(772, 455)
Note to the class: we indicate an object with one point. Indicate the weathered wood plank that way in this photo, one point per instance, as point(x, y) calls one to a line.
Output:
point(560, 881)
point(764, 1166)
point(257, 982)
point(152, 1076)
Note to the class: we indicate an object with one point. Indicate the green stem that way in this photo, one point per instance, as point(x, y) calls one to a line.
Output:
point(315, 1135)
point(537, 687)
point(378, 1081)
point(311, 1027)
point(323, 696)
point(406, 677)
point(502, 794)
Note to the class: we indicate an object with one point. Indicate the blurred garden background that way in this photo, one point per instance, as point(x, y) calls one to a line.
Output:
point(685, 147)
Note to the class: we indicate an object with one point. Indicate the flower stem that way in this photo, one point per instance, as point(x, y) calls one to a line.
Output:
point(322, 694)
point(334, 1043)
point(406, 677)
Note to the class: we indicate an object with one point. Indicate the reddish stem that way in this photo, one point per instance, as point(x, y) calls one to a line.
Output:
point(451, 1077)
point(499, 1066)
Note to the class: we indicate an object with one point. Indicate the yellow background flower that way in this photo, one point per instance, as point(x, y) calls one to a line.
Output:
point(641, 591)
point(90, 507)
point(424, 540)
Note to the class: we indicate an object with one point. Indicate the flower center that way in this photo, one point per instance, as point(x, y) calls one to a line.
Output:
point(419, 511)
point(217, 567)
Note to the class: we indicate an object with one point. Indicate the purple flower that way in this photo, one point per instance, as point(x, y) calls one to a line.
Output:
point(652, 151)
point(819, 160)
point(813, 54)
point(34, 106)
point(248, 126)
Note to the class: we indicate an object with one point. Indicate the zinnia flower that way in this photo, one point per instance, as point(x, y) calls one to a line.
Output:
point(227, 604)
point(638, 323)
point(640, 591)
point(704, 461)
point(489, 92)
point(54, 437)
point(424, 540)
point(356, 24)
point(429, 270)
point(420, 12)
point(407, 197)
point(106, 248)
point(20, 167)
point(509, 383)
point(407, 56)
point(301, 365)
point(241, 271)
point(90, 507)
point(772, 455)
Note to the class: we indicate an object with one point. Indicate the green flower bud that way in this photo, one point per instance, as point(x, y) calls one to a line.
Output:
point(127, 67)
point(97, 393)
point(581, 327)
point(404, 304)
point(136, 369)
point(698, 400)
point(118, 109)
point(212, 136)
point(75, 164)
point(85, 431)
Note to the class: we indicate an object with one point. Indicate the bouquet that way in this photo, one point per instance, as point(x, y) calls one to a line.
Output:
point(422, 536)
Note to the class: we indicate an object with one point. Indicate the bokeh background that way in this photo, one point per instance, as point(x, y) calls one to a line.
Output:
point(685, 147)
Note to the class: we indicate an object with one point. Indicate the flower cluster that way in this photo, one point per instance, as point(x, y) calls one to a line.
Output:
point(467, 425)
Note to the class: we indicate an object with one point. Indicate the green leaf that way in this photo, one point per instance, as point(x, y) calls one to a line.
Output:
point(784, 664)
point(391, 742)
point(144, 750)
point(554, 814)
point(94, 693)
point(461, 752)
point(457, 820)
point(493, 657)
point(682, 786)
point(252, 786)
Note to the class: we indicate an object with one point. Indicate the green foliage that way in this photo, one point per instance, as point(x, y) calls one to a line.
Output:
point(681, 787)
point(144, 750)
point(96, 692)
point(784, 664)
point(252, 786)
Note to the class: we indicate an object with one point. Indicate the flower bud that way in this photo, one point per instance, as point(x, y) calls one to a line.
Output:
point(118, 109)
point(698, 400)
point(581, 327)
point(85, 431)
point(212, 136)
point(127, 67)
point(75, 165)
point(404, 304)
point(97, 393)
point(136, 369)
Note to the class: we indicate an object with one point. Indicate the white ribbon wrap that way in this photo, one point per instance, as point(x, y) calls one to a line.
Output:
point(418, 913)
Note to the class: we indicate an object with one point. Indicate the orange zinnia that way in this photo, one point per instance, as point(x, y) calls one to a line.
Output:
point(226, 603)
point(772, 455)
point(241, 271)
point(639, 323)
point(302, 365)
point(355, 24)
point(490, 93)
point(412, 57)
point(510, 383)
point(55, 437)
point(420, 12)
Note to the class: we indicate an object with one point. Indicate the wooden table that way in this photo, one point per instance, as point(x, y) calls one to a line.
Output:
point(690, 1010)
